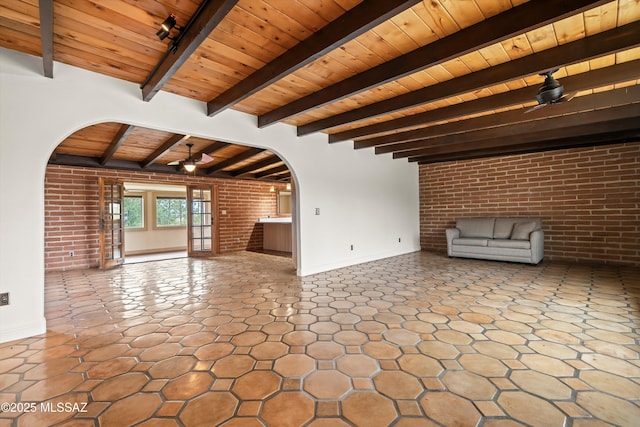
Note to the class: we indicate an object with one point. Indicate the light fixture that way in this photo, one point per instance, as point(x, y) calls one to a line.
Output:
point(189, 165)
point(288, 186)
point(165, 32)
point(166, 27)
point(272, 189)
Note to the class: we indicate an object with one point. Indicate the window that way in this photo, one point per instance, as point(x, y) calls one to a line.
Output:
point(171, 211)
point(133, 212)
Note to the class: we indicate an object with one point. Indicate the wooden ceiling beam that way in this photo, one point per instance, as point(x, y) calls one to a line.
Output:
point(272, 171)
point(116, 142)
point(96, 162)
point(129, 165)
point(510, 23)
point(209, 14)
point(211, 149)
point(247, 154)
point(258, 165)
point(355, 22)
point(606, 138)
point(589, 123)
point(425, 137)
point(607, 42)
point(46, 36)
point(592, 79)
point(169, 145)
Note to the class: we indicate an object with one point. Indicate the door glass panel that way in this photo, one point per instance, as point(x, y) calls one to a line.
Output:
point(111, 223)
point(200, 221)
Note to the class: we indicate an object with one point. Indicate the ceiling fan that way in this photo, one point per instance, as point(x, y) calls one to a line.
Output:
point(551, 92)
point(189, 164)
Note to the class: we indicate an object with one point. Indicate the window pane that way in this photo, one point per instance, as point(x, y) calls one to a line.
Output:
point(171, 211)
point(133, 212)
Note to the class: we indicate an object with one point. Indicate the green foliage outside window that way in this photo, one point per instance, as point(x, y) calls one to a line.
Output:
point(171, 211)
point(133, 212)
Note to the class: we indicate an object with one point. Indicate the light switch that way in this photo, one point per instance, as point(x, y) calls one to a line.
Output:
point(317, 211)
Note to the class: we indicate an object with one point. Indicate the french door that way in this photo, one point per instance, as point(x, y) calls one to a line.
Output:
point(111, 223)
point(201, 222)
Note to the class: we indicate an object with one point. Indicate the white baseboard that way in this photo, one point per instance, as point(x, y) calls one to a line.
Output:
point(307, 271)
point(23, 331)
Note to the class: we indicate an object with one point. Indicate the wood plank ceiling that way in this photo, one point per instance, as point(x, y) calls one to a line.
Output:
point(428, 81)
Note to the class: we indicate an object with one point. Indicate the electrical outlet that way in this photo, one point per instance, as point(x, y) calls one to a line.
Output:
point(72, 253)
point(317, 211)
point(4, 298)
point(351, 247)
point(399, 240)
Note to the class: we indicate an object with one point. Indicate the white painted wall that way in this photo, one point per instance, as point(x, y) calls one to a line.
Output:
point(365, 200)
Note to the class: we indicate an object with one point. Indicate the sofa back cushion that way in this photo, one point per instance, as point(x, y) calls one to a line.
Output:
point(521, 230)
point(476, 227)
point(503, 228)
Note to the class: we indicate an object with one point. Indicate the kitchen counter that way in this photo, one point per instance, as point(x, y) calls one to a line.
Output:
point(276, 234)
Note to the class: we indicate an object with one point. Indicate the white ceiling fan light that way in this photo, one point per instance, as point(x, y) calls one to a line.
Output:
point(189, 164)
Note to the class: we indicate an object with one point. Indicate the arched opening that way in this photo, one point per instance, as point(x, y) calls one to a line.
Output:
point(158, 211)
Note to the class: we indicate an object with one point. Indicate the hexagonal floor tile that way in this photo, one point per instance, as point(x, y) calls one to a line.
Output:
point(368, 409)
point(294, 365)
point(327, 384)
point(288, 409)
point(398, 385)
point(187, 386)
point(210, 409)
point(357, 365)
point(256, 385)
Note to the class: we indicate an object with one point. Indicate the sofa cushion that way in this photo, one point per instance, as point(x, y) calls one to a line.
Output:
point(522, 230)
point(476, 227)
point(508, 243)
point(503, 228)
point(470, 241)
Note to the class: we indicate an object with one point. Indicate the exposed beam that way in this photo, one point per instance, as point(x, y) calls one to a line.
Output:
point(592, 79)
point(202, 23)
point(46, 36)
point(258, 165)
point(129, 165)
point(116, 142)
point(169, 145)
point(235, 159)
point(95, 162)
point(425, 137)
point(607, 138)
point(272, 171)
point(611, 41)
point(510, 23)
point(616, 119)
point(357, 21)
point(211, 149)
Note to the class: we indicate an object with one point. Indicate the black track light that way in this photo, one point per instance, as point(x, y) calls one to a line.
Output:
point(166, 27)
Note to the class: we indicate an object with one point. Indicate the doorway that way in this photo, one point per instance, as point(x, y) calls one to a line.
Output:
point(158, 221)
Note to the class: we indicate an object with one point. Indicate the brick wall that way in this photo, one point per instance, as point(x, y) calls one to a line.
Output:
point(71, 212)
point(588, 199)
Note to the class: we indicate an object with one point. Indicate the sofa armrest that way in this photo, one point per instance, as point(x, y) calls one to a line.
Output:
point(537, 246)
point(452, 233)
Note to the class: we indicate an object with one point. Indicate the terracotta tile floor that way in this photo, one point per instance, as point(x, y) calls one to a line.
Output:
point(416, 340)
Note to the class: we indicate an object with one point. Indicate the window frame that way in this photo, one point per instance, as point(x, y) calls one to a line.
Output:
point(143, 199)
point(184, 215)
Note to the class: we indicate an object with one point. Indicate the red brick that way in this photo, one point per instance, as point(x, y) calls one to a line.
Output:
point(588, 199)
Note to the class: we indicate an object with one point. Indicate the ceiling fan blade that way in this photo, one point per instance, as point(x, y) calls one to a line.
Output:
point(174, 163)
point(568, 97)
point(534, 108)
point(204, 159)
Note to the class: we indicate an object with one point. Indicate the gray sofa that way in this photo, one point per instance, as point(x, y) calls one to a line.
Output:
point(501, 239)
